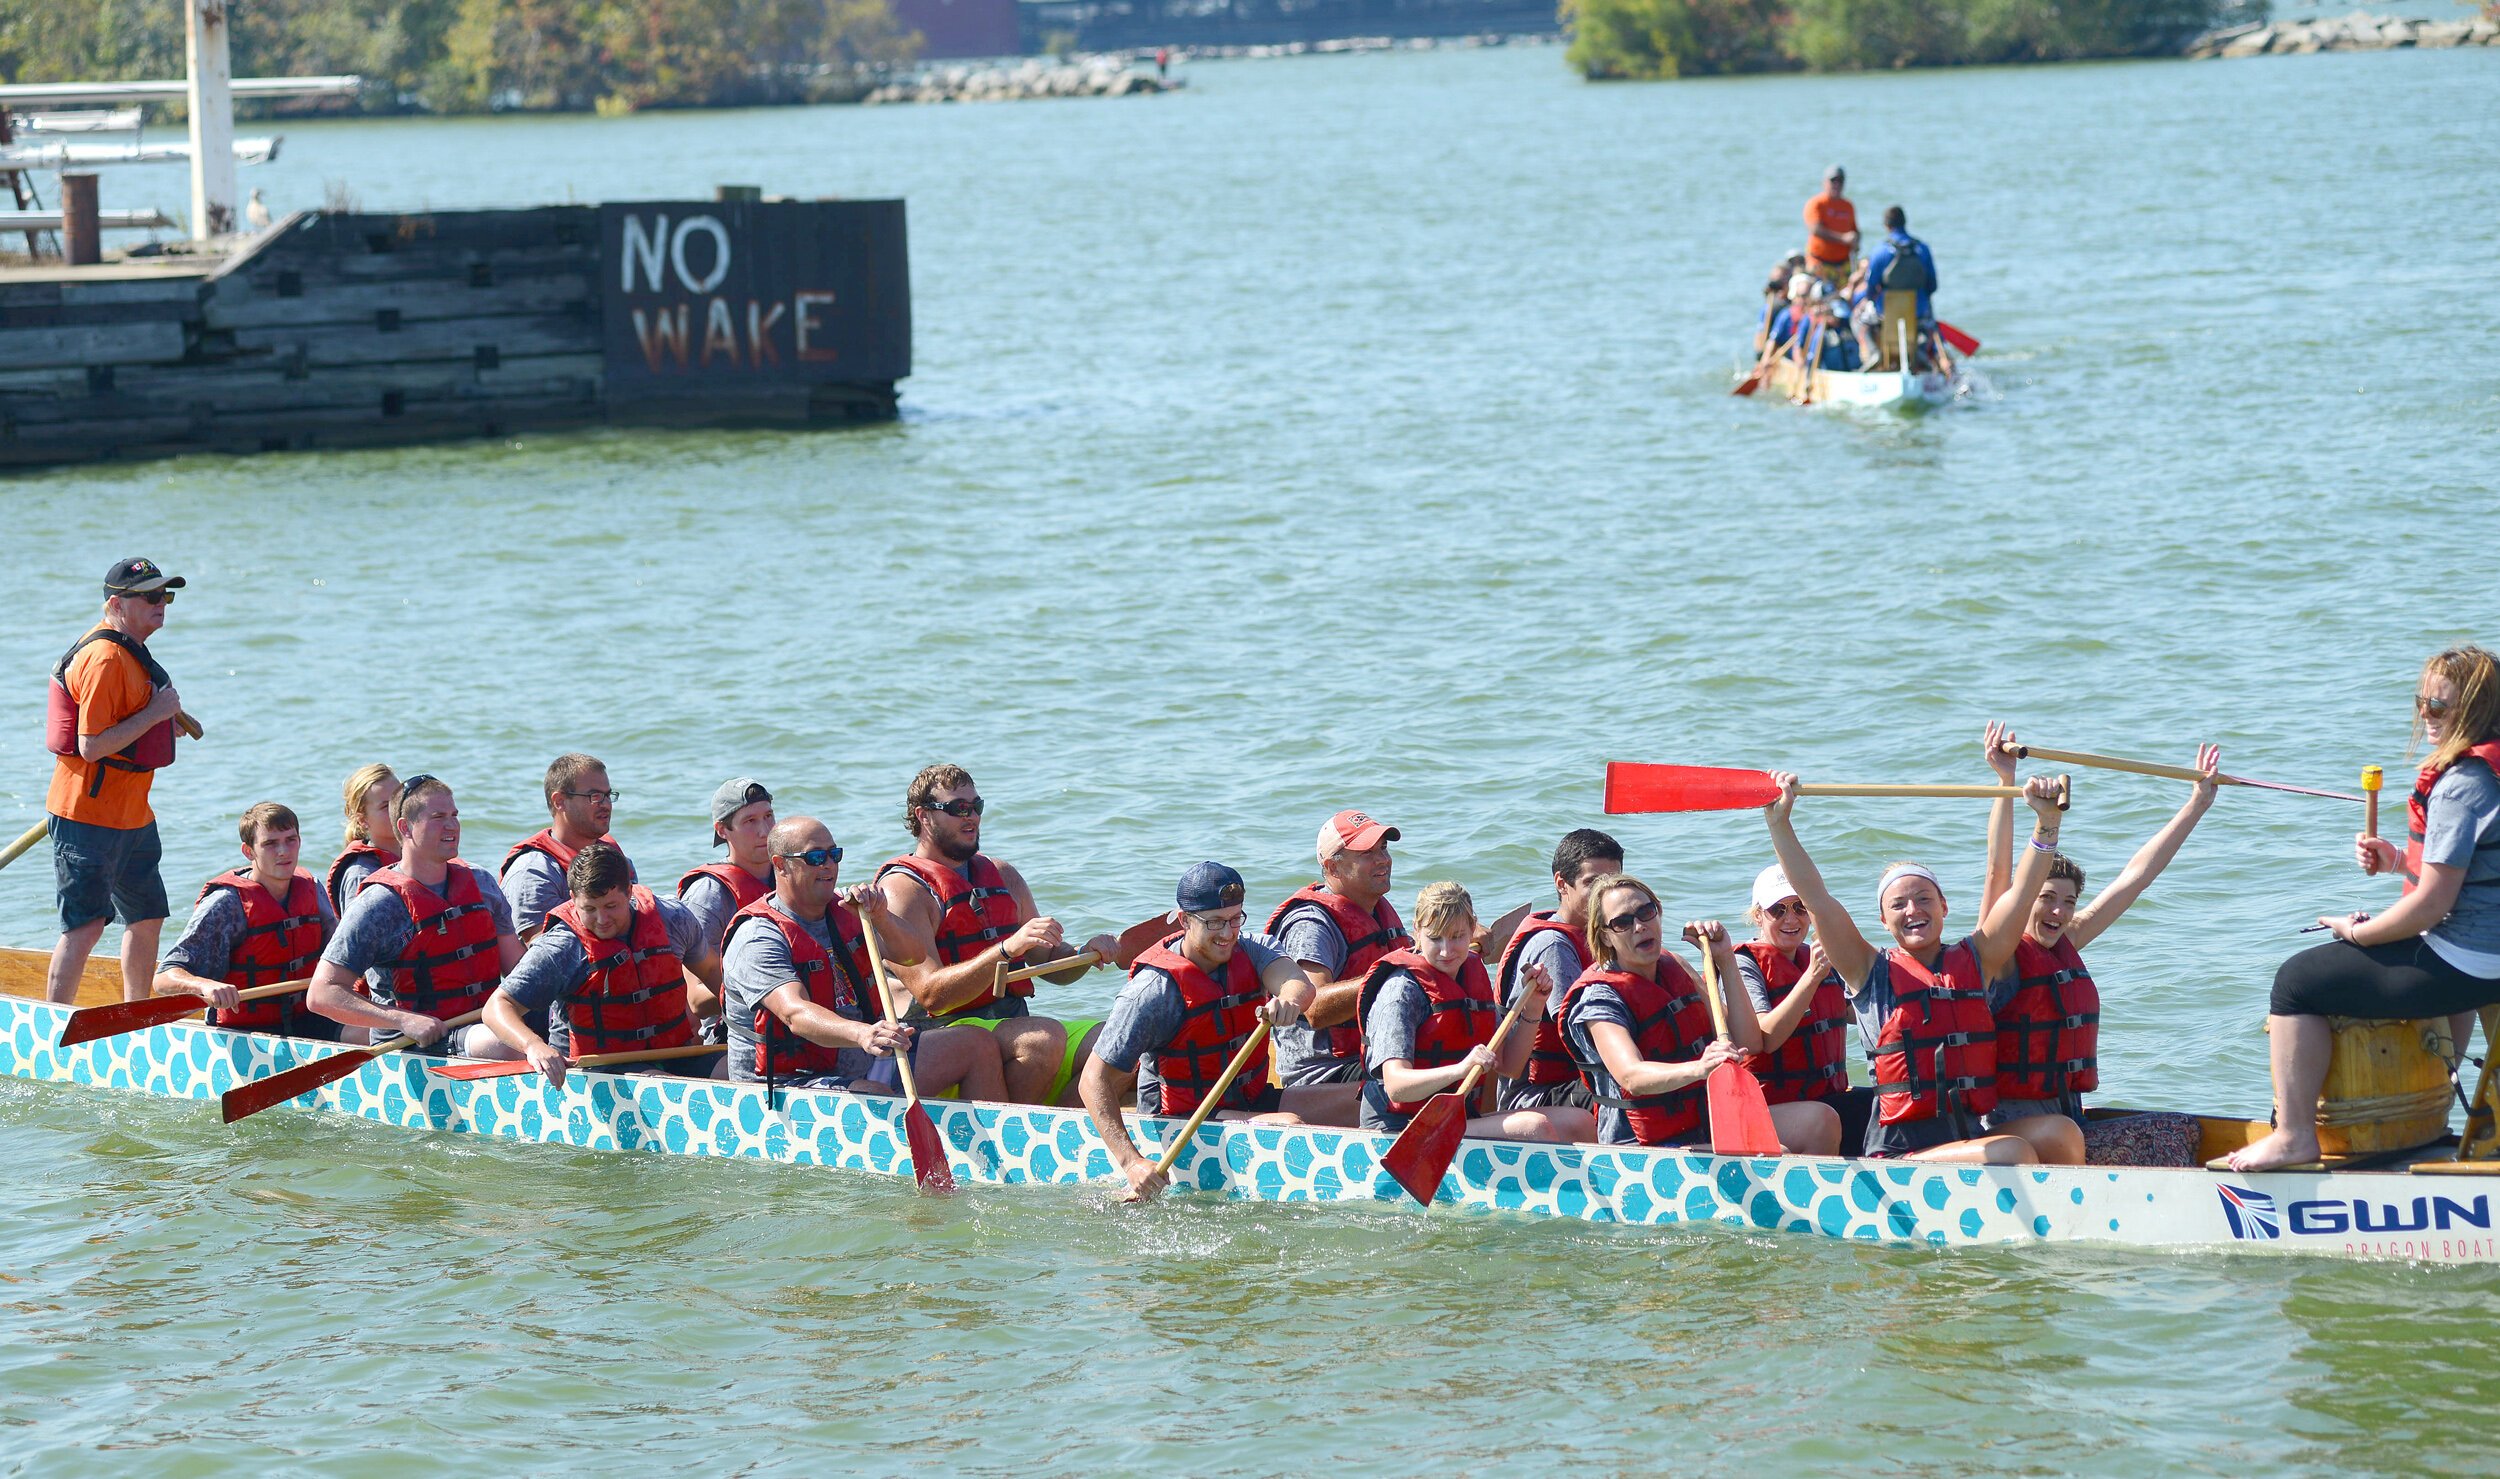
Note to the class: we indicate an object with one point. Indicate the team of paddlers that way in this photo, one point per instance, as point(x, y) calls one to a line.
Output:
point(1979, 1047)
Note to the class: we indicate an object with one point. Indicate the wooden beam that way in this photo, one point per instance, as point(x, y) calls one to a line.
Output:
point(56, 94)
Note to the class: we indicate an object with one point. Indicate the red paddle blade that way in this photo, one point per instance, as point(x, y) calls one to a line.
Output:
point(1632, 787)
point(1962, 343)
point(260, 1094)
point(928, 1151)
point(90, 1023)
point(1422, 1153)
point(494, 1069)
point(1141, 937)
point(1749, 384)
point(1740, 1118)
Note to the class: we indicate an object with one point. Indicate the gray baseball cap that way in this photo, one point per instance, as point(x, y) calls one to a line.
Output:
point(742, 791)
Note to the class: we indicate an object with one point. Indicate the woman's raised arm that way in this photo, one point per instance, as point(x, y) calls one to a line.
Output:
point(1843, 945)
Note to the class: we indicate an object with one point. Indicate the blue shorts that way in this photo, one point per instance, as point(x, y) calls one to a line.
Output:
point(106, 873)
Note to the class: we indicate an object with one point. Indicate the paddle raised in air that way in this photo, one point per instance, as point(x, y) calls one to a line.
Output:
point(501, 1068)
point(90, 1023)
point(928, 1148)
point(250, 1099)
point(1421, 1155)
point(1740, 1117)
point(2169, 772)
point(1634, 787)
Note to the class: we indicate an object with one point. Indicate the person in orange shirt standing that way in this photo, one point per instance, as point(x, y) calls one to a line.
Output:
point(110, 728)
point(1831, 229)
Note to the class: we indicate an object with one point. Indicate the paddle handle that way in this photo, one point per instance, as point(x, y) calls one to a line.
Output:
point(1206, 1106)
point(29, 838)
point(2372, 777)
point(396, 1044)
point(885, 999)
point(1086, 958)
point(189, 726)
point(2113, 762)
point(1710, 989)
point(650, 1055)
point(2065, 791)
point(1501, 1030)
point(282, 988)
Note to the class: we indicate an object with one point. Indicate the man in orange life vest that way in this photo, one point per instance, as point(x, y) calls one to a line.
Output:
point(428, 936)
point(980, 920)
point(1335, 930)
point(1831, 229)
point(580, 803)
point(256, 925)
point(110, 723)
point(714, 892)
point(608, 973)
point(1189, 1005)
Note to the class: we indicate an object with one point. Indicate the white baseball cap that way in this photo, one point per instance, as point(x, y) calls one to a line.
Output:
point(1770, 886)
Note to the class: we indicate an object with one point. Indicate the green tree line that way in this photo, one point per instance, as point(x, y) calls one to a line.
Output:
point(474, 55)
point(1684, 38)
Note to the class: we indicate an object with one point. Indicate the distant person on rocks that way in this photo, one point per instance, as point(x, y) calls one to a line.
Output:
point(1903, 265)
point(256, 925)
point(1831, 229)
point(110, 726)
point(580, 806)
point(371, 845)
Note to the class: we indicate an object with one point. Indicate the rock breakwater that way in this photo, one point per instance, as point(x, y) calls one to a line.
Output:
point(2359, 31)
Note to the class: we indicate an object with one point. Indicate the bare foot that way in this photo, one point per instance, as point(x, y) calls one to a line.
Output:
point(2279, 1149)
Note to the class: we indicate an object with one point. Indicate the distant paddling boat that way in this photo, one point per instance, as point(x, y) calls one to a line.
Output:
point(2377, 1213)
point(1868, 390)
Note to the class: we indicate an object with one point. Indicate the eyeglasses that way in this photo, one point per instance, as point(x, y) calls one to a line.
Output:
point(1224, 924)
point(815, 857)
point(1782, 911)
point(609, 796)
point(2431, 708)
point(1640, 916)
point(972, 808)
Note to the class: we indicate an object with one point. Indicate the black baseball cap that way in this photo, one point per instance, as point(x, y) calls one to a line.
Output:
point(137, 576)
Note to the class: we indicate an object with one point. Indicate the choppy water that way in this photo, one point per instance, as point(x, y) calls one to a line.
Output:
point(1348, 431)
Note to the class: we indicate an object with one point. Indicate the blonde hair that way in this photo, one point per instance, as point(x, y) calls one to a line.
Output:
point(2476, 716)
point(1593, 913)
point(359, 790)
point(1441, 905)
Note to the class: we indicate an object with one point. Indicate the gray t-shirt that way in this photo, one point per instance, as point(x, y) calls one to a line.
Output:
point(712, 905)
point(377, 930)
point(1595, 1003)
point(1397, 1013)
point(1562, 961)
point(1146, 1016)
point(1309, 935)
point(353, 876)
point(2463, 830)
point(555, 965)
point(755, 963)
point(206, 948)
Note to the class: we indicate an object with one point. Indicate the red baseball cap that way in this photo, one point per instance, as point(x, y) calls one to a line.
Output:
point(1351, 831)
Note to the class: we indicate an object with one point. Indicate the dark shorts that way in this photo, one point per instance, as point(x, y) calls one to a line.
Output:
point(1912, 1136)
point(1518, 1093)
point(1338, 1071)
point(2404, 980)
point(106, 873)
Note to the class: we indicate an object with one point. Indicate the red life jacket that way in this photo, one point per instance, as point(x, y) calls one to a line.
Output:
point(1549, 1060)
point(1217, 1018)
point(1462, 1013)
point(152, 750)
point(635, 994)
point(1938, 1046)
point(1670, 1024)
point(281, 942)
point(451, 965)
point(838, 983)
point(2047, 1034)
point(2418, 815)
point(1814, 1062)
point(332, 880)
point(544, 840)
point(744, 887)
point(971, 915)
point(1367, 938)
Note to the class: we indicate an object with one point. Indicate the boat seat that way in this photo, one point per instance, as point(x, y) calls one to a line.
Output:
point(1900, 328)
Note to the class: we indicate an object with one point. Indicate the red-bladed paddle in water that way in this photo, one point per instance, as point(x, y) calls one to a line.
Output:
point(928, 1151)
point(503, 1068)
point(1135, 941)
point(250, 1099)
point(1421, 1155)
point(115, 1018)
point(1634, 787)
point(1740, 1118)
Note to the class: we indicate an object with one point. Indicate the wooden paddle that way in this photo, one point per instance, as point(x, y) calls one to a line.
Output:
point(1136, 940)
point(1762, 366)
point(89, 1023)
point(1495, 938)
point(928, 1152)
point(1961, 342)
point(2372, 778)
point(1422, 1153)
point(1206, 1106)
point(250, 1099)
point(29, 838)
point(507, 1068)
point(1632, 787)
point(2171, 772)
point(1740, 1118)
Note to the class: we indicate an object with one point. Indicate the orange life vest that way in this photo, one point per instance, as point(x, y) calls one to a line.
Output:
point(281, 941)
point(334, 881)
point(972, 914)
point(1835, 214)
point(1367, 938)
point(1549, 1059)
point(836, 982)
point(744, 887)
point(451, 963)
point(1217, 1018)
point(2050, 1030)
point(152, 750)
point(1462, 1013)
point(2418, 815)
point(544, 841)
point(1670, 1024)
point(1938, 1045)
point(1814, 1062)
point(634, 996)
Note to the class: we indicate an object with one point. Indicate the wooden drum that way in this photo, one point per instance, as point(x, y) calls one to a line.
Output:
point(2387, 1087)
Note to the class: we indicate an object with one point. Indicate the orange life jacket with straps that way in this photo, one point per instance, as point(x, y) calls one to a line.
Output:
point(1461, 1016)
point(2049, 1032)
point(634, 996)
point(451, 963)
point(1549, 1059)
point(1670, 1024)
point(973, 913)
point(1937, 1048)
point(1814, 1062)
point(334, 881)
point(281, 941)
point(152, 750)
point(2418, 817)
point(544, 841)
point(836, 980)
point(744, 887)
point(1367, 938)
point(1217, 1018)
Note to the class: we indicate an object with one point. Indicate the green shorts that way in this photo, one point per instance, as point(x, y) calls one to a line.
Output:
point(1079, 1029)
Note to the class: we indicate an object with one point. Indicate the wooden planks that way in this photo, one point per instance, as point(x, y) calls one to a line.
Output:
point(22, 974)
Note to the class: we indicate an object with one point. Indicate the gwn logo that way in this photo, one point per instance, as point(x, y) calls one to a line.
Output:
point(2250, 1213)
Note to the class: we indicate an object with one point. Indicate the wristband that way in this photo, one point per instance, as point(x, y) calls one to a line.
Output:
point(2038, 846)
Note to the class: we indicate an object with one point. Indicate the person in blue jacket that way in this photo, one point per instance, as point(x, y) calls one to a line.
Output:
point(1903, 263)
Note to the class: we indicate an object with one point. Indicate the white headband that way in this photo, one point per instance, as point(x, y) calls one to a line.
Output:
point(1896, 873)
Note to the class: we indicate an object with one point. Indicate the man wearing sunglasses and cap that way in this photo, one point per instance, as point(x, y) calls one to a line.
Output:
point(742, 821)
point(1335, 930)
point(1189, 1005)
point(110, 726)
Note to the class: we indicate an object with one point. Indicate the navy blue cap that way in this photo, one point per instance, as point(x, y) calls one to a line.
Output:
point(1208, 886)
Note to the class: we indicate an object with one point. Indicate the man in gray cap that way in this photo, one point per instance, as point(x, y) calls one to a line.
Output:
point(110, 726)
point(742, 820)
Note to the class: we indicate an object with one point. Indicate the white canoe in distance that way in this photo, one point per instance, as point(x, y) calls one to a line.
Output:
point(1872, 390)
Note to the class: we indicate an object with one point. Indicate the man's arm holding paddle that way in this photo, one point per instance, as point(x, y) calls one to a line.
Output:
point(207, 943)
point(333, 994)
point(1139, 1018)
point(945, 988)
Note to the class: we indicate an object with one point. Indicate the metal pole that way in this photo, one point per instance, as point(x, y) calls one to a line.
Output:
point(211, 97)
point(81, 241)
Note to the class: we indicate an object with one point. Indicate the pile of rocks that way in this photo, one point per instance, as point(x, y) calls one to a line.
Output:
point(1349, 44)
point(2359, 31)
point(1093, 76)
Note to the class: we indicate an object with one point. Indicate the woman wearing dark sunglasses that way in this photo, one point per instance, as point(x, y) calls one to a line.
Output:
point(1803, 1011)
point(1639, 1029)
point(2436, 953)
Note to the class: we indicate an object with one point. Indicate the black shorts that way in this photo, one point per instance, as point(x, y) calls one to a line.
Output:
point(105, 873)
point(2405, 980)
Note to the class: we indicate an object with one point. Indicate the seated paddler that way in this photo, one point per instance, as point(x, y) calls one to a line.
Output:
point(370, 846)
point(581, 805)
point(1802, 1010)
point(1553, 938)
point(1336, 929)
point(256, 925)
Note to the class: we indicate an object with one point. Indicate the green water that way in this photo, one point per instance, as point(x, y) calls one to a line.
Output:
point(1341, 432)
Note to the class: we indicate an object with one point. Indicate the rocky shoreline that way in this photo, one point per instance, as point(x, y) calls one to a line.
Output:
point(2359, 31)
point(1101, 75)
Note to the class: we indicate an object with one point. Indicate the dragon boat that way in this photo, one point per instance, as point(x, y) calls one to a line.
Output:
point(1867, 390)
point(2384, 1211)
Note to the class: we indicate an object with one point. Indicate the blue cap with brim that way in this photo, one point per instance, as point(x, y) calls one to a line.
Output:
point(1208, 886)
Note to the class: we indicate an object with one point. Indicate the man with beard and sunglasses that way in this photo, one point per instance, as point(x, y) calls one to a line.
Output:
point(981, 922)
point(580, 804)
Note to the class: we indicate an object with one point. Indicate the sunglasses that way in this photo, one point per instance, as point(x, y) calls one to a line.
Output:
point(153, 598)
point(2430, 707)
point(815, 857)
point(1782, 911)
point(972, 808)
point(1640, 916)
point(408, 788)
